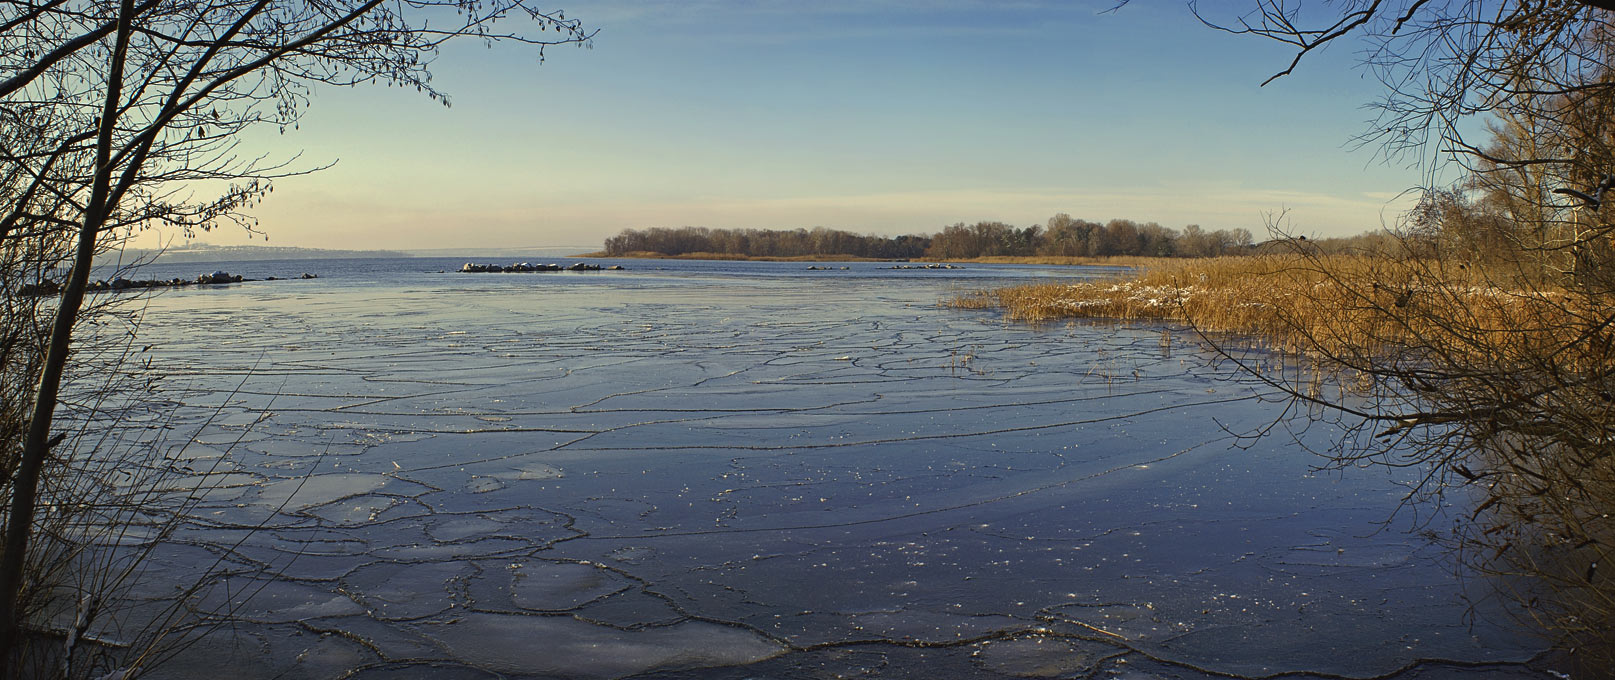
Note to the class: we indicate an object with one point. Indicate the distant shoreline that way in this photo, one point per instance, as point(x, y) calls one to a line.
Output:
point(239, 254)
point(249, 253)
point(1107, 261)
point(600, 254)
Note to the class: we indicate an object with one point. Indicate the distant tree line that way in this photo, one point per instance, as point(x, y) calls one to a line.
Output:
point(1062, 236)
point(764, 243)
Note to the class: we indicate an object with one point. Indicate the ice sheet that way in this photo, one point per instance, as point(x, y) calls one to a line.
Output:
point(750, 479)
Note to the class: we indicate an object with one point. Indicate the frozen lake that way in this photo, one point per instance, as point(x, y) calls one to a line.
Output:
point(749, 470)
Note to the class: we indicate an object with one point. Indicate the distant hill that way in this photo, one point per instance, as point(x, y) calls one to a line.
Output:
point(209, 253)
point(529, 251)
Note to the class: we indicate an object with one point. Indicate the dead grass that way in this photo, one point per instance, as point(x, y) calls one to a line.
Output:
point(1108, 261)
point(1242, 294)
point(1339, 304)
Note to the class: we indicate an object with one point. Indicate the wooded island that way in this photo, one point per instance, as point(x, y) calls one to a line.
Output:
point(1062, 236)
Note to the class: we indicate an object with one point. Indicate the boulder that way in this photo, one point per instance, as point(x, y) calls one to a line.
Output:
point(219, 276)
point(44, 287)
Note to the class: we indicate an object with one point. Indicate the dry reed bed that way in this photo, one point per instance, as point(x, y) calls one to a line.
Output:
point(1335, 304)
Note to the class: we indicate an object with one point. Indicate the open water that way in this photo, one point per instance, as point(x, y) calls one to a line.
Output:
point(753, 470)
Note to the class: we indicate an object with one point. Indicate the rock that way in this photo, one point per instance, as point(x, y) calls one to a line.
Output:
point(44, 287)
point(219, 276)
point(121, 284)
point(933, 265)
point(522, 267)
point(307, 275)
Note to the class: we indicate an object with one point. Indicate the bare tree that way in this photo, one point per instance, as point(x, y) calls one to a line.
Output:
point(1484, 352)
point(115, 116)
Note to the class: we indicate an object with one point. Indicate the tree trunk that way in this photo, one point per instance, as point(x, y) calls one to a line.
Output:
point(36, 447)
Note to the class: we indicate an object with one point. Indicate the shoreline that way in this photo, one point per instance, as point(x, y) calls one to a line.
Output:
point(732, 257)
point(1051, 260)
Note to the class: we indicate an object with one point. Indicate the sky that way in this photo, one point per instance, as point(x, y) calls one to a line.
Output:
point(873, 117)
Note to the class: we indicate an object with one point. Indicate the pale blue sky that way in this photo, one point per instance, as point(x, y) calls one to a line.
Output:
point(873, 117)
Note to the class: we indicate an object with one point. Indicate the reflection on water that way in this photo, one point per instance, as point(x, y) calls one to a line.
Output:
point(688, 474)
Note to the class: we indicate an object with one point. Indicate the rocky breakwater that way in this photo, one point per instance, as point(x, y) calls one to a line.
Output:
point(934, 265)
point(520, 267)
point(119, 284)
